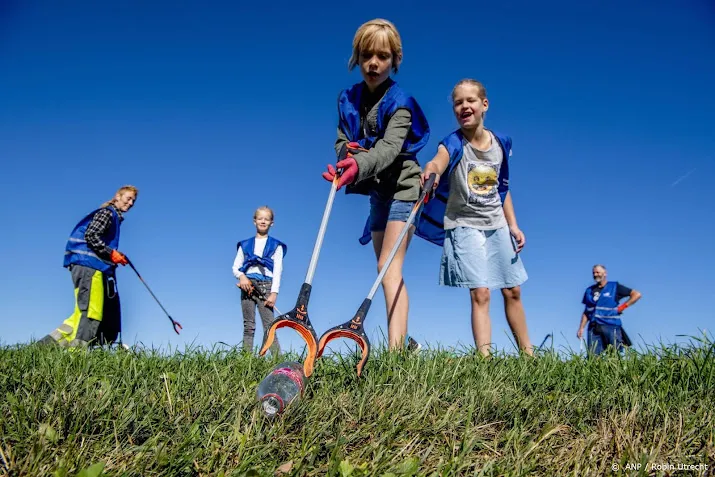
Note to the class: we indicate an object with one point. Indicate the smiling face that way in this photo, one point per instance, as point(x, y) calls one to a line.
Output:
point(263, 220)
point(124, 200)
point(469, 104)
point(599, 274)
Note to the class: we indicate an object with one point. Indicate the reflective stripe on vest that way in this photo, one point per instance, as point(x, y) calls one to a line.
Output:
point(82, 252)
point(597, 312)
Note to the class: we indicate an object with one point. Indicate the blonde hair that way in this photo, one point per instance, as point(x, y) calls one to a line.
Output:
point(482, 90)
point(266, 208)
point(126, 188)
point(372, 32)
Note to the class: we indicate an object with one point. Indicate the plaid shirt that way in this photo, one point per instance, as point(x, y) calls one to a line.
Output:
point(100, 224)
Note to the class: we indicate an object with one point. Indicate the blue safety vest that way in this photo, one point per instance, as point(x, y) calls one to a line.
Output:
point(77, 251)
point(250, 259)
point(430, 225)
point(604, 308)
point(394, 98)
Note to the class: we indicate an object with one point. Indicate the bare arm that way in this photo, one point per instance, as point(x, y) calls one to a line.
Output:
point(437, 165)
point(634, 297)
point(582, 326)
point(514, 230)
point(509, 213)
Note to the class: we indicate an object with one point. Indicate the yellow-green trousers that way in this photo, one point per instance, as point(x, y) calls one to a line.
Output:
point(96, 319)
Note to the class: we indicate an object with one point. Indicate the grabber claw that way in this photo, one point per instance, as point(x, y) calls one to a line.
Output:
point(298, 320)
point(353, 330)
point(174, 323)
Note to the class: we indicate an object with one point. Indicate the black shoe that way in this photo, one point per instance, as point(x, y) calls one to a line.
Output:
point(413, 345)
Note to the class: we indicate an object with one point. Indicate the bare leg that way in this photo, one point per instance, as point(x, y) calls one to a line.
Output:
point(393, 284)
point(516, 317)
point(481, 323)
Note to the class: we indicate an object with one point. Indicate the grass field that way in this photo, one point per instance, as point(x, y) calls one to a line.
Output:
point(194, 413)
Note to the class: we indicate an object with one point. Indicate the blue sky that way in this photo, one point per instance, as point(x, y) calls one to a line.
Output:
point(212, 109)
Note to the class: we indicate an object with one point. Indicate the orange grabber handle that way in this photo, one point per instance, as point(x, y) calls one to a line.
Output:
point(353, 330)
point(347, 151)
point(298, 320)
point(350, 149)
point(353, 147)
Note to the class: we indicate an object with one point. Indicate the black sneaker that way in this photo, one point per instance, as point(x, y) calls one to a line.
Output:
point(413, 345)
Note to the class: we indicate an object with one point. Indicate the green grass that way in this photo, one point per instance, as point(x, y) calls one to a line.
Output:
point(438, 413)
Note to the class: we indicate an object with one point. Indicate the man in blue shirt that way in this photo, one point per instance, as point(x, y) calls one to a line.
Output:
point(603, 312)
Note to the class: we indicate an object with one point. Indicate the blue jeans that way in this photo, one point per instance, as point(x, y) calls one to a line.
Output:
point(600, 336)
point(384, 210)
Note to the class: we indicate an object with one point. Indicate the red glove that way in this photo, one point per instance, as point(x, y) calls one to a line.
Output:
point(622, 307)
point(349, 174)
point(118, 258)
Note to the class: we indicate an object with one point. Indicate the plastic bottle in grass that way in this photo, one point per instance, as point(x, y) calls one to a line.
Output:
point(283, 386)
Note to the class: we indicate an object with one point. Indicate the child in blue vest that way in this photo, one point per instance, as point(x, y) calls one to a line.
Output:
point(92, 257)
point(473, 217)
point(258, 266)
point(381, 128)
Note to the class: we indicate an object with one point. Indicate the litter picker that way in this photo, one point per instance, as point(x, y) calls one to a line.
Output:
point(353, 329)
point(261, 296)
point(177, 326)
point(546, 338)
point(298, 318)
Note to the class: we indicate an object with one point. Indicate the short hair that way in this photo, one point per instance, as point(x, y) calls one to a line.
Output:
point(369, 34)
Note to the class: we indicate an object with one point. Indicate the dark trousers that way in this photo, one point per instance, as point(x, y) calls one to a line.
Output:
point(248, 306)
point(601, 336)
